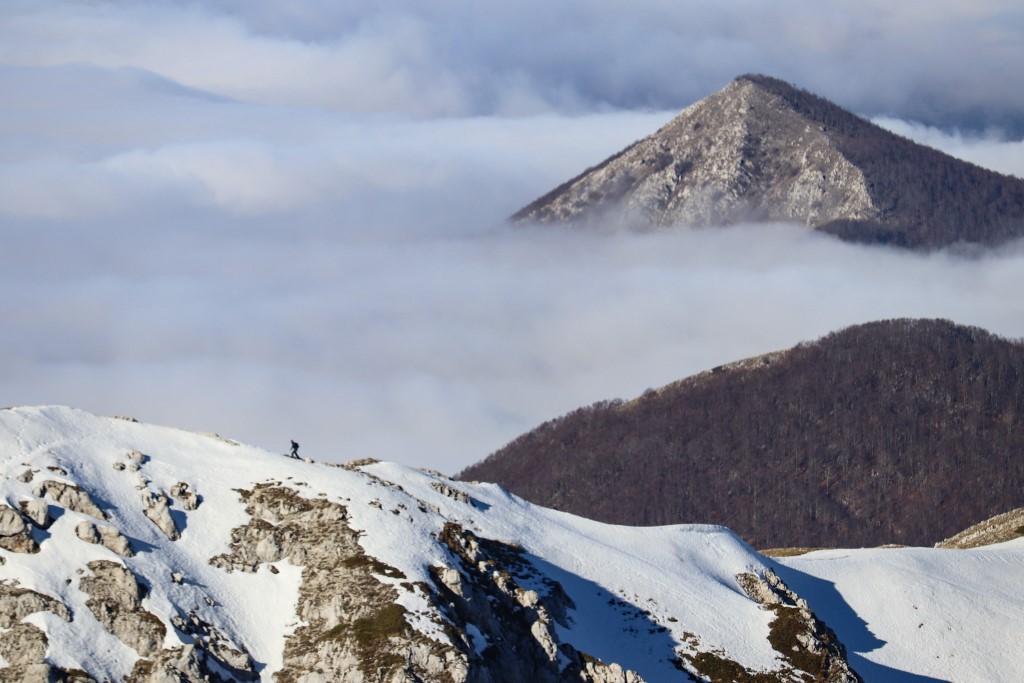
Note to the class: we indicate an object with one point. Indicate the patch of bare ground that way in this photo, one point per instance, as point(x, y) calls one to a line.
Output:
point(998, 529)
point(787, 552)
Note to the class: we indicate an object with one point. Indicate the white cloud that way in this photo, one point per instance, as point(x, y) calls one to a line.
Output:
point(379, 64)
point(204, 227)
point(944, 61)
point(126, 140)
point(438, 350)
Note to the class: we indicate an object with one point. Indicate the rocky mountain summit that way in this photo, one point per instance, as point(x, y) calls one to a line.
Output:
point(763, 150)
point(130, 552)
point(898, 431)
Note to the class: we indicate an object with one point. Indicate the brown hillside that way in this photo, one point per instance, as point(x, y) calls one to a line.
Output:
point(902, 431)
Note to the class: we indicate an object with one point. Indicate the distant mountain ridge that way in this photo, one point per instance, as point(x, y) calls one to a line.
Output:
point(901, 431)
point(761, 149)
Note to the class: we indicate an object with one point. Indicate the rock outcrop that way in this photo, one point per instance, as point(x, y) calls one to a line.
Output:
point(179, 665)
point(351, 626)
point(109, 536)
point(70, 497)
point(189, 499)
point(86, 531)
point(15, 533)
point(211, 656)
point(801, 639)
point(482, 596)
point(1003, 527)
point(37, 511)
point(452, 492)
point(16, 603)
point(157, 508)
point(24, 645)
point(115, 599)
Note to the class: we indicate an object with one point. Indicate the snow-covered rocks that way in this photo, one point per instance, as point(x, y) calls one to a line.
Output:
point(796, 633)
point(189, 499)
point(171, 666)
point(446, 489)
point(68, 496)
point(23, 645)
point(350, 621)
point(37, 511)
point(157, 508)
point(107, 536)
point(115, 599)
point(86, 531)
point(15, 533)
point(597, 672)
point(18, 603)
point(290, 571)
point(484, 600)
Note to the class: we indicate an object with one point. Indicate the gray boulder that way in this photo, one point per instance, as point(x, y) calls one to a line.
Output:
point(15, 533)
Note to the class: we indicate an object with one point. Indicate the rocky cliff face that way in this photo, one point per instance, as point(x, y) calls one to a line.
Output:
point(142, 554)
point(762, 150)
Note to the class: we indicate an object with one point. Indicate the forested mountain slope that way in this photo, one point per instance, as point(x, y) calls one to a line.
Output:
point(902, 431)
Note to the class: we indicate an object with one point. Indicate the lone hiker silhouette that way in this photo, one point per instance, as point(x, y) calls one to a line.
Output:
point(295, 449)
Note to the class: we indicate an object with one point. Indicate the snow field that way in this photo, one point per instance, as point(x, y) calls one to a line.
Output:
point(639, 594)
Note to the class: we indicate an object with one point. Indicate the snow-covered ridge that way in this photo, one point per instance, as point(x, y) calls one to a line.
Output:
point(136, 552)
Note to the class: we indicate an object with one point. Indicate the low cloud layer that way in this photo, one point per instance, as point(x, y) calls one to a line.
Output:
point(289, 223)
point(435, 351)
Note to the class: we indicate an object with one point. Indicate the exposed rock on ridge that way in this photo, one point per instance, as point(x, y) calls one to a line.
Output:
point(1003, 527)
point(15, 533)
point(350, 623)
point(801, 638)
point(115, 598)
point(108, 536)
point(352, 626)
point(24, 645)
point(763, 150)
point(69, 496)
point(514, 636)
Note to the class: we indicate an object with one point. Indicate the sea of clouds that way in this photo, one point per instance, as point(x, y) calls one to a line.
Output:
point(288, 220)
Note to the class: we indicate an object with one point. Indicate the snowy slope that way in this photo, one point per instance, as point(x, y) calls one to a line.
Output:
point(582, 594)
point(685, 573)
point(53, 441)
point(950, 615)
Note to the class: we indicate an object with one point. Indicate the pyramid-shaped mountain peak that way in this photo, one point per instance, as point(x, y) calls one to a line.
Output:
point(763, 150)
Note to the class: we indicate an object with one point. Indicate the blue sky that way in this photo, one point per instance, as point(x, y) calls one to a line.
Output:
point(287, 220)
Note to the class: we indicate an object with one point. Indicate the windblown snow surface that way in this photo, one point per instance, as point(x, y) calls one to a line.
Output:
point(910, 614)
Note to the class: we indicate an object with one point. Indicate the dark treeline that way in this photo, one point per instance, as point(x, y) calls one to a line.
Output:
point(891, 432)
